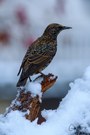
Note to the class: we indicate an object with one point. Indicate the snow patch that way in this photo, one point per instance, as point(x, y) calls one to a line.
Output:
point(35, 89)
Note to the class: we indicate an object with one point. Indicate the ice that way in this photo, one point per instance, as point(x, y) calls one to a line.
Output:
point(74, 110)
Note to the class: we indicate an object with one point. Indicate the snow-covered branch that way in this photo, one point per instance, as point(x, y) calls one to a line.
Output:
point(29, 99)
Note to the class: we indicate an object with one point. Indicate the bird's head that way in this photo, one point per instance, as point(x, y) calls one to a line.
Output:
point(54, 29)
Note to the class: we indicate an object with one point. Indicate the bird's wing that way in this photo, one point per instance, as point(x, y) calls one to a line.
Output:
point(36, 56)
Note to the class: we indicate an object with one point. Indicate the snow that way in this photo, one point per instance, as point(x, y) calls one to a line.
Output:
point(35, 89)
point(87, 74)
point(74, 110)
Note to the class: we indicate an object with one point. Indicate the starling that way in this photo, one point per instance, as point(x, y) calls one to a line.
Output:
point(40, 53)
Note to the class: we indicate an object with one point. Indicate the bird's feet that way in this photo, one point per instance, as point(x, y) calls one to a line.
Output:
point(30, 79)
point(42, 74)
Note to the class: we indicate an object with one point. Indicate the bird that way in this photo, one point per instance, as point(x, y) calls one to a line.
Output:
point(40, 53)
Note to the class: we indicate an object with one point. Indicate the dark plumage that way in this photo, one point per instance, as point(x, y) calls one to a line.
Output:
point(40, 53)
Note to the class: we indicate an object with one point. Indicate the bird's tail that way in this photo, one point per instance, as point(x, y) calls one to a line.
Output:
point(22, 81)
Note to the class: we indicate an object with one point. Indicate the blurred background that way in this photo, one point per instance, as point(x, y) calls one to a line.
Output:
point(23, 21)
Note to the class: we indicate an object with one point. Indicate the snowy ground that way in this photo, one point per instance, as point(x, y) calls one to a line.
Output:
point(74, 110)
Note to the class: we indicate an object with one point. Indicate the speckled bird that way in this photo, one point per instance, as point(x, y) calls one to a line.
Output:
point(40, 53)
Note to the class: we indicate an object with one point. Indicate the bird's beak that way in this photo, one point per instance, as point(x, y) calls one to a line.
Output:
point(65, 27)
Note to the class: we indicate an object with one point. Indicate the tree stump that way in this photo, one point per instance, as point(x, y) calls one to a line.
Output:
point(25, 102)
